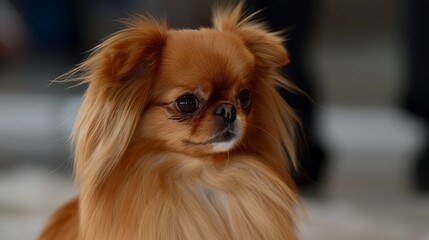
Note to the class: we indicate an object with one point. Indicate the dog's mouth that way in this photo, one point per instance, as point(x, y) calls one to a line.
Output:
point(226, 136)
point(222, 141)
point(223, 137)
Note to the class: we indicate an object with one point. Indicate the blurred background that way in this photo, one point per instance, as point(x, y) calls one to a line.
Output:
point(362, 61)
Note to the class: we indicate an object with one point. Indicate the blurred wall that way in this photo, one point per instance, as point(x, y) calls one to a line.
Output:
point(358, 51)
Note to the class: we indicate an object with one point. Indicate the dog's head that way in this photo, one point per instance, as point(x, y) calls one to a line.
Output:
point(198, 92)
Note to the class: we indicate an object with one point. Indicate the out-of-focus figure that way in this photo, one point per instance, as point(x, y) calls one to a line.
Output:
point(417, 99)
point(13, 33)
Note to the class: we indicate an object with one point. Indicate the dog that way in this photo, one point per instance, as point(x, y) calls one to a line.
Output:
point(182, 135)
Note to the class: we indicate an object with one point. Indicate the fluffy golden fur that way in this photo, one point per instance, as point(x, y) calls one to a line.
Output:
point(147, 170)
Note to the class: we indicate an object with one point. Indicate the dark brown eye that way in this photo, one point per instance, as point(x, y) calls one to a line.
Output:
point(187, 103)
point(244, 99)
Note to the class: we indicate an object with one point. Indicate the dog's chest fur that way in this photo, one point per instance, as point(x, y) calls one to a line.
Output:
point(177, 197)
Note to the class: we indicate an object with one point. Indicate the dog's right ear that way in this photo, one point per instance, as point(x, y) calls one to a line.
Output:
point(128, 52)
point(119, 73)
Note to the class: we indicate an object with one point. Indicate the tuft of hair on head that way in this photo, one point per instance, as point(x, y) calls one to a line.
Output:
point(266, 45)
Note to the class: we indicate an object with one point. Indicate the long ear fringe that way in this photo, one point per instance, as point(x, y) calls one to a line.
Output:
point(289, 124)
point(92, 135)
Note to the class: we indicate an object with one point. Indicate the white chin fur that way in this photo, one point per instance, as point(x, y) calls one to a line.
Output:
point(224, 146)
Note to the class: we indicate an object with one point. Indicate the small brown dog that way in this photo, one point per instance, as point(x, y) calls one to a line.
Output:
point(182, 135)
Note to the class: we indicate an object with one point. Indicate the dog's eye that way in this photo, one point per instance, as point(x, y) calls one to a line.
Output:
point(187, 103)
point(244, 99)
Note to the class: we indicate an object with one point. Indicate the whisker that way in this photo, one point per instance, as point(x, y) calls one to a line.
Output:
point(268, 133)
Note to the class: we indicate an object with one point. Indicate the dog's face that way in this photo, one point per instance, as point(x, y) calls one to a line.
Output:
point(202, 95)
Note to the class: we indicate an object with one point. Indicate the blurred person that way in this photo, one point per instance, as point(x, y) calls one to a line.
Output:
point(13, 32)
point(417, 98)
point(295, 17)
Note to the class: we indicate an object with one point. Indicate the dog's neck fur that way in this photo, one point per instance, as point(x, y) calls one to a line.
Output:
point(178, 197)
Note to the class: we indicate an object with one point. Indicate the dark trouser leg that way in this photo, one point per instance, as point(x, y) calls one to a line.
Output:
point(417, 99)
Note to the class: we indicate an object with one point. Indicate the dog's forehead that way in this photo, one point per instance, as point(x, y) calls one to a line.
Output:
point(209, 40)
point(193, 57)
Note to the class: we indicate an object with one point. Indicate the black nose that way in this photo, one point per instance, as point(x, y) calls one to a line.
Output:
point(227, 112)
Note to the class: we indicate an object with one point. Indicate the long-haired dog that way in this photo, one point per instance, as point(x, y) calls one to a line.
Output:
point(183, 135)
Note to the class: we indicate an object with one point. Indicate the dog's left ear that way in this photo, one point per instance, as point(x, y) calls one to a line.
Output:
point(278, 121)
point(265, 45)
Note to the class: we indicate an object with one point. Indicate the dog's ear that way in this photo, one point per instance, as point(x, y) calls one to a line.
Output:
point(119, 74)
point(277, 140)
point(265, 45)
point(128, 52)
